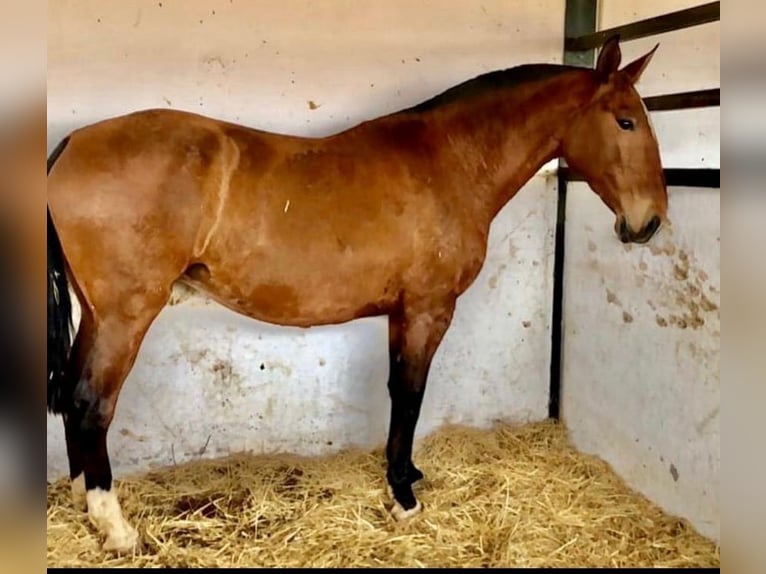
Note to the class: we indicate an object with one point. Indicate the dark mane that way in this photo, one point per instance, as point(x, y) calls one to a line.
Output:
point(500, 79)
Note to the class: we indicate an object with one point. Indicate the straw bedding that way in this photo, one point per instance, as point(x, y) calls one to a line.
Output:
point(512, 496)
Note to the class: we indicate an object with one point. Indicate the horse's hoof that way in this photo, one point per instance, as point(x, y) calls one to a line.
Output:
point(122, 542)
point(400, 515)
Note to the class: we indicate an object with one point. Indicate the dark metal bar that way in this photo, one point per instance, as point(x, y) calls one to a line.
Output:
point(557, 325)
point(580, 18)
point(674, 177)
point(684, 100)
point(697, 177)
point(670, 22)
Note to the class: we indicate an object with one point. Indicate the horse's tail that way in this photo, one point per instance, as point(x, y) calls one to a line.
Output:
point(60, 387)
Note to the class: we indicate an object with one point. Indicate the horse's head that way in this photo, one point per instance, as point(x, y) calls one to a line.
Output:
point(612, 144)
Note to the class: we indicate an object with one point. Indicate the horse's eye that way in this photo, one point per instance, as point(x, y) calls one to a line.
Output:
point(626, 124)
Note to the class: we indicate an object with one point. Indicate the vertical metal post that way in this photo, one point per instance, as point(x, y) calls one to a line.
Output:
point(580, 18)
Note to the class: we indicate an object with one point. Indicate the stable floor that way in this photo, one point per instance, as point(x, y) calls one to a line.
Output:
point(512, 496)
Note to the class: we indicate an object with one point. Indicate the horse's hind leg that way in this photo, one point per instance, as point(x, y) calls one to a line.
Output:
point(415, 334)
point(83, 343)
point(106, 350)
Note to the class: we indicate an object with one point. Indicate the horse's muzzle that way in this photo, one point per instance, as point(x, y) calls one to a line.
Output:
point(626, 234)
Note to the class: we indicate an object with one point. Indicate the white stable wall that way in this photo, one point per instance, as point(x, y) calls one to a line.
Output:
point(208, 382)
point(642, 329)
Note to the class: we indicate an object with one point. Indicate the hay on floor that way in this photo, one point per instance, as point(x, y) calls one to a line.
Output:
point(508, 497)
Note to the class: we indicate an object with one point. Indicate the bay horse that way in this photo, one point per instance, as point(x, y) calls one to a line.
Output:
point(388, 218)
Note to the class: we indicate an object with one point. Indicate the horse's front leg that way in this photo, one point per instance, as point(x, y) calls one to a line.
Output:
point(415, 334)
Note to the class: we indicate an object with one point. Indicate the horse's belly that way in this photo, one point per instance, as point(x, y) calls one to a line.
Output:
point(302, 300)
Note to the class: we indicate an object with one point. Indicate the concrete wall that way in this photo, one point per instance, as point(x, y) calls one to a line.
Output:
point(207, 381)
point(262, 62)
point(641, 353)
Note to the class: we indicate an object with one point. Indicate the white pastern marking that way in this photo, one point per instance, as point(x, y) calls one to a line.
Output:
point(105, 513)
point(401, 515)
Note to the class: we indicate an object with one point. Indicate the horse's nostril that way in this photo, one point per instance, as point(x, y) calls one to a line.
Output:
point(653, 226)
point(623, 231)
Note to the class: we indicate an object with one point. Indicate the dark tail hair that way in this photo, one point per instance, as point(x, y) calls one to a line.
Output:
point(59, 313)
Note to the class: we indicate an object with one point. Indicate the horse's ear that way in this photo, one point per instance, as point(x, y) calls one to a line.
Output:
point(634, 70)
point(609, 58)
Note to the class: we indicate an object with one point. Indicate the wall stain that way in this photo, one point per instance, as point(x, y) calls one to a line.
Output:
point(705, 422)
point(680, 296)
point(693, 307)
point(210, 60)
point(131, 435)
point(496, 277)
point(277, 366)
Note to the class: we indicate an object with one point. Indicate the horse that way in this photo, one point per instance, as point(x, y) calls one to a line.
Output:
point(387, 218)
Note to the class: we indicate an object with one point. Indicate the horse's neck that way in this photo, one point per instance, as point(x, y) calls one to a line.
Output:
point(504, 142)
